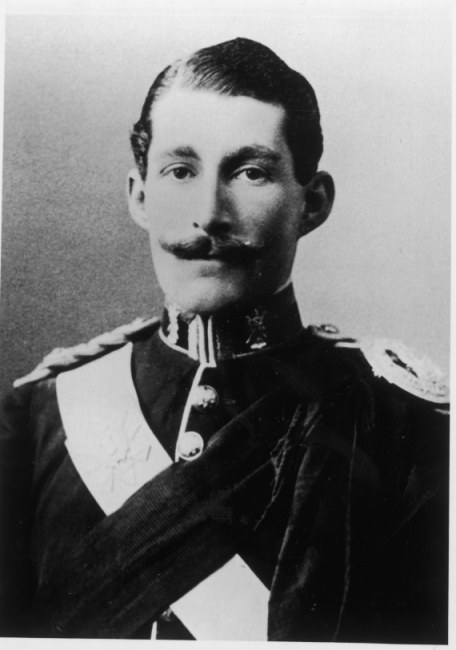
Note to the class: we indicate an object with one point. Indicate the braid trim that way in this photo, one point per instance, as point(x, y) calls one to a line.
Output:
point(65, 358)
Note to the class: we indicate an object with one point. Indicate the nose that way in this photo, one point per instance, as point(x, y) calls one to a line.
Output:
point(214, 209)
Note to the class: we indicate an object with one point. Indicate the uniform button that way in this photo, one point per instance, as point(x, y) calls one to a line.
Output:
point(190, 445)
point(205, 398)
point(329, 329)
point(167, 615)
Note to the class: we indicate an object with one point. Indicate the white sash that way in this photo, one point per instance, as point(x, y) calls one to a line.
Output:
point(115, 453)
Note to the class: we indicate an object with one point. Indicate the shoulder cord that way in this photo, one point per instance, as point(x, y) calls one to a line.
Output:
point(65, 358)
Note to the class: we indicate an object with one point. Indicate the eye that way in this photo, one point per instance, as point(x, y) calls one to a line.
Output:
point(179, 172)
point(254, 175)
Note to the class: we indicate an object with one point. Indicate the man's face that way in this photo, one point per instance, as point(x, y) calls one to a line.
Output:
point(220, 202)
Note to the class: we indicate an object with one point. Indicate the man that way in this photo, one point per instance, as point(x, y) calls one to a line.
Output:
point(227, 473)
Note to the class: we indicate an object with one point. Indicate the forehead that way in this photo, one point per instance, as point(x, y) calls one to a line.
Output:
point(209, 120)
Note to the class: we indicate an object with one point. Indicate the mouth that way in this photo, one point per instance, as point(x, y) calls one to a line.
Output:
point(233, 250)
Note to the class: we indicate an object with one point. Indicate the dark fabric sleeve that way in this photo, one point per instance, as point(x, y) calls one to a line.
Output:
point(16, 580)
point(411, 572)
point(399, 564)
point(400, 587)
point(365, 552)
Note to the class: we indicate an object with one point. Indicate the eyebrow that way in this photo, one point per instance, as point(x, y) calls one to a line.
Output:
point(252, 151)
point(231, 158)
point(180, 152)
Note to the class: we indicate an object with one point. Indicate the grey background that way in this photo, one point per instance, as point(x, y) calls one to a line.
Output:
point(73, 263)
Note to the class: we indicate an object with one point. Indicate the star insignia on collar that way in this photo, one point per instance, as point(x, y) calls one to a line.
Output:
point(257, 330)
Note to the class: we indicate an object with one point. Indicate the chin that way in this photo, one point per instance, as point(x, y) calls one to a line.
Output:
point(206, 296)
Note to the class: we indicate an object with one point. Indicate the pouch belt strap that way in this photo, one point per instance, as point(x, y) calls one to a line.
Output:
point(115, 454)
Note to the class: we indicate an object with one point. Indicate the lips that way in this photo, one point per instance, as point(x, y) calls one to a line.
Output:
point(233, 250)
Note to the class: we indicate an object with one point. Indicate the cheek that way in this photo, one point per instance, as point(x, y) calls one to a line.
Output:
point(275, 222)
point(163, 206)
point(277, 226)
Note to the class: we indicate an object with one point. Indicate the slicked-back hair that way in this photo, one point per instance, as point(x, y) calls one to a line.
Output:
point(242, 67)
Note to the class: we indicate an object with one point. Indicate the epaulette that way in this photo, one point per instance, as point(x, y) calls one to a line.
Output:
point(409, 369)
point(65, 358)
point(395, 362)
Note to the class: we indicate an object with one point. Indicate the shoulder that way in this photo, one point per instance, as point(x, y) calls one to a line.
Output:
point(388, 364)
point(62, 359)
point(393, 399)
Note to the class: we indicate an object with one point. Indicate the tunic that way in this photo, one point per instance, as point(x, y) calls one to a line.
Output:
point(329, 483)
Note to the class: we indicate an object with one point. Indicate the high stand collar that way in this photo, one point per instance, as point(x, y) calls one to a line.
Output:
point(235, 332)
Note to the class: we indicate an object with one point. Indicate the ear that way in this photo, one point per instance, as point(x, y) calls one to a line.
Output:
point(135, 196)
point(319, 198)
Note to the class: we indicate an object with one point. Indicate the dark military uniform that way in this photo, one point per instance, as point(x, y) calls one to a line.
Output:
point(242, 438)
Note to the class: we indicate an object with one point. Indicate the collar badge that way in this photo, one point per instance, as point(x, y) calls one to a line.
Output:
point(257, 330)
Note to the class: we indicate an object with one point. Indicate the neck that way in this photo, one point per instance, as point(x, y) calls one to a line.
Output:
point(233, 332)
